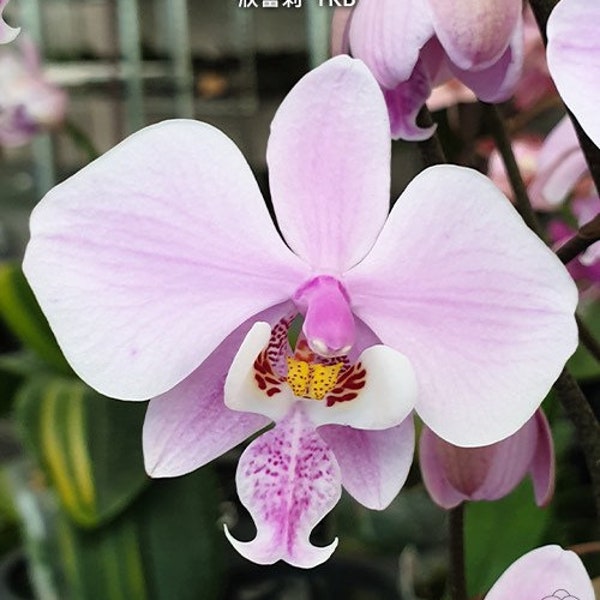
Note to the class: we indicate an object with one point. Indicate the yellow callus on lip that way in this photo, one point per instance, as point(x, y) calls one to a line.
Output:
point(311, 380)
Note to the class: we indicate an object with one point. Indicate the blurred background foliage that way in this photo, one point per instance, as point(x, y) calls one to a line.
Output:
point(79, 518)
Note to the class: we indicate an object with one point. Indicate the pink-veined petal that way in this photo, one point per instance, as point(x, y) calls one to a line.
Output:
point(188, 426)
point(479, 305)
point(561, 141)
point(288, 479)
point(329, 164)
point(542, 468)
point(561, 164)
point(340, 30)
point(388, 36)
point(475, 33)
point(574, 60)
point(498, 81)
point(7, 33)
point(551, 187)
point(547, 573)
point(453, 475)
point(145, 260)
point(374, 464)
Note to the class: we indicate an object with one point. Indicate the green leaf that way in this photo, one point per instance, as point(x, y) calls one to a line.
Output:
point(165, 546)
point(89, 445)
point(22, 314)
point(104, 563)
point(497, 533)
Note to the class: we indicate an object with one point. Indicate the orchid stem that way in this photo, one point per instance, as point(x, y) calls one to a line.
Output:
point(574, 246)
point(586, 425)
point(500, 135)
point(431, 149)
point(456, 577)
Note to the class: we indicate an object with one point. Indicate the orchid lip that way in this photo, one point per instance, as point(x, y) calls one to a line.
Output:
point(377, 390)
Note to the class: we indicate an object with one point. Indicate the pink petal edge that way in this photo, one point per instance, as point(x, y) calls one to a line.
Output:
point(374, 464)
point(545, 573)
point(498, 81)
point(475, 33)
point(388, 36)
point(573, 54)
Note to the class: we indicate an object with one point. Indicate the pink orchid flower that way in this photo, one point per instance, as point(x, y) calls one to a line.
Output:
point(546, 573)
point(29, 103)
point(413, 45)
point(562, 174)
point(574, 60)
point(453, 475)
point(163, 277)
point(7, 33)
point(561, 169)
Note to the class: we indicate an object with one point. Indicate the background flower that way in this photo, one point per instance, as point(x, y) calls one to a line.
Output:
point(453, 475)
point(545, 573)
point(574, 60)
point(29, 103)
point(413, 46)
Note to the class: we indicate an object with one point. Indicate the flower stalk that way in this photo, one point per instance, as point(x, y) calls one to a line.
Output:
point(431, 148)
point(500, 135)
point(456, 576)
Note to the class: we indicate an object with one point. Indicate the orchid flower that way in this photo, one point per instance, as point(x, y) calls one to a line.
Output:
point(453, 475)
point(574, 60)
point(29, 102)
point(561, 169)
point(562, 173)
point(7, 33)
point(162, 276)
point(546, 573)
point(413, 45)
